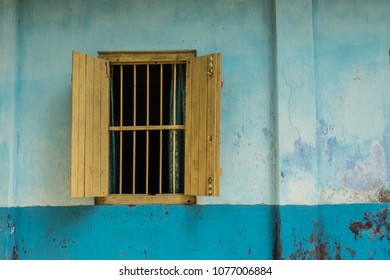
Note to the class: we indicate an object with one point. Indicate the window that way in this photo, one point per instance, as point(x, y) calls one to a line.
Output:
point(145, 126)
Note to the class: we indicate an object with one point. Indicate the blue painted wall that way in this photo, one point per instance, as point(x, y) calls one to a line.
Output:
point(305, 129)
point(143, 232)
point(353, 231)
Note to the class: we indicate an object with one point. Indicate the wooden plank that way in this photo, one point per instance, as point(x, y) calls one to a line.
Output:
point(188, 130)
point(213, 124)
point(147, 56)
point(75, 124)
point(96, 160)
point(194, 145)
point(218, 96)
point(105, 123)
point(203, 78)
point(147, 199)
point(211, 133)
point(89, 126)
point(81, 126)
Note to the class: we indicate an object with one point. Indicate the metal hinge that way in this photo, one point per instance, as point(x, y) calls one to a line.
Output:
point(210, 182)
point(107, 69)
point(210, 62)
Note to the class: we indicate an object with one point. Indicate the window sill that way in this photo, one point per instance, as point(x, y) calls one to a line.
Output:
point(123, 199)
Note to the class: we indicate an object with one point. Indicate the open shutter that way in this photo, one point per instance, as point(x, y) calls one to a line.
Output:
point(202, 125)
point(90, 124)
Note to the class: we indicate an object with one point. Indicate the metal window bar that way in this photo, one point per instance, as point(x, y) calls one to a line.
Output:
point(161, 131)
point(147, 131)
point(134, 124)
point(174, 133)
point(121, 132)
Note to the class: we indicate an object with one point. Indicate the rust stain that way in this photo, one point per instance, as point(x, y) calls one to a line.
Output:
point(8, 221)
point(357, 227)
point(352, 252)
point(15, 252)
point(384, 195)
point(338, 251)
point(321, 251)
point(375, 224)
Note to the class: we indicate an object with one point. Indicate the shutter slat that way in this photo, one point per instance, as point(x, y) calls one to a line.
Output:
point(194, 143)
point(96, 128)
point(75, 125)
point(81, 128)
point(104, 125)
point(211, 125)
point(89, 108)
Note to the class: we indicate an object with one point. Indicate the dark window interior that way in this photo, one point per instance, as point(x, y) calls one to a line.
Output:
point(134, 81)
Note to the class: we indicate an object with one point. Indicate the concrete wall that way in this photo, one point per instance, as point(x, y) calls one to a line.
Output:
point(305, 122)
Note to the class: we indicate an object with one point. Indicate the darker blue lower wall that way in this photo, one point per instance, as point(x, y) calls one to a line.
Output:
point(349, 231)
point(144, 232)
point(356, 231)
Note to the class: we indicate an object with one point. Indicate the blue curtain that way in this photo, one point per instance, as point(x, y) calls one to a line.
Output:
point(113, 181)
point(176, 138)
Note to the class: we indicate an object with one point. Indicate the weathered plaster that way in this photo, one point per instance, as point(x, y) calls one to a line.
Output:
point(8, 93)
point(352, 81)
point(50, 30)
point(297, 163)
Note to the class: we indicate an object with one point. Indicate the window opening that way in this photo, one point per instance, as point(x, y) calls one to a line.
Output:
point(147, 103)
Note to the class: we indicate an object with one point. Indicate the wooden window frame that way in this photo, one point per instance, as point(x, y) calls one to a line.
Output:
point(202, 126)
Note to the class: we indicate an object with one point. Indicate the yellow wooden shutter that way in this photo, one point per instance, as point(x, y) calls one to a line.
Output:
point(90, 124)
point(202, 125)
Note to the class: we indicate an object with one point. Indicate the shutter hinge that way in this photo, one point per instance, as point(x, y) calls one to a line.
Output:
point(107, 69)
point(210, 62)
point(188, 68)
point(210, 187)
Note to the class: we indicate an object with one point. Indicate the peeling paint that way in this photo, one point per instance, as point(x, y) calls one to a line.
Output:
point(377, 226)
point(302, 157)
point(352, 252)
point(15, 252)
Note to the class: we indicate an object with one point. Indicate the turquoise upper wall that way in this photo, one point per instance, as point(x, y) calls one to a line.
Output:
point(333, 101)
point(353, 97)
point(8, 93)
point(305, 103)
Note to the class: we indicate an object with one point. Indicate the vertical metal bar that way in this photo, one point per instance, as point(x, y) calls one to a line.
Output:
point(161, 132)
point(121, 132)
point(174, 132)
point(135, 122)
point(147, 132)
